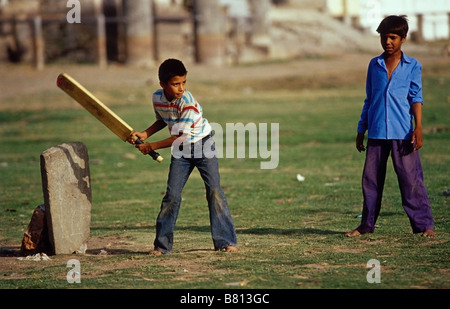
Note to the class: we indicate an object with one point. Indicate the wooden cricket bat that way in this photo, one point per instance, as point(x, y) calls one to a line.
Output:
point(99, 110)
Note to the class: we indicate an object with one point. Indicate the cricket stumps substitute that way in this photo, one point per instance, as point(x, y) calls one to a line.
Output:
point(67, 196)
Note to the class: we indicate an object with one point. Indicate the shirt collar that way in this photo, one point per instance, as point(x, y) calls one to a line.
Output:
point(404, 58)
point(164, 98)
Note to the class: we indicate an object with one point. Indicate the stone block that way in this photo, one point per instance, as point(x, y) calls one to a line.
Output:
point(35, 239)
point(67, 196)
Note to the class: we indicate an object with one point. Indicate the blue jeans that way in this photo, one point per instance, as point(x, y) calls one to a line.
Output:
point(222, 226)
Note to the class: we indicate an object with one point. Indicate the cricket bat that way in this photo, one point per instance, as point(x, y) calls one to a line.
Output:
point(99, 110)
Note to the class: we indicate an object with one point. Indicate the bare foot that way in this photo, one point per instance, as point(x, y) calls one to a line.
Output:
point(429, 233)
point(352, 233)
point(155, 252)
point(230, 248)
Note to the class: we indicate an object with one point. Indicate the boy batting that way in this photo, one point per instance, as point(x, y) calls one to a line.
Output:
point(176, 108)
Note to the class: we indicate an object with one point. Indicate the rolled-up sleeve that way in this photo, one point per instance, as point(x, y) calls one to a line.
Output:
point(415, 89)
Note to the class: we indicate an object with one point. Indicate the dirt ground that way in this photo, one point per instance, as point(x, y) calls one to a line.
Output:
point(24, 79)
point(16, 79)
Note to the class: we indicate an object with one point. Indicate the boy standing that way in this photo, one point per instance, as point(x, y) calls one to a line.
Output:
point(393, 100)
point(176, 108)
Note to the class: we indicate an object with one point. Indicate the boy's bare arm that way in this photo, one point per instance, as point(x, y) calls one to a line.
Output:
point(417, 133)
point(155, 127)
point(146, 148)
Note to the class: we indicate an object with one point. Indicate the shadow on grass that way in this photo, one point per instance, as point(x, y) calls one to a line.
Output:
point(207, 229)
point(15, 251)
point(121, 228)
point(278, 231)
point(10, 252)
point(265, 230)
point(112, 251)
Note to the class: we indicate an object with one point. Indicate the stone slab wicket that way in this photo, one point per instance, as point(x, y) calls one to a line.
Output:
point(67, 196)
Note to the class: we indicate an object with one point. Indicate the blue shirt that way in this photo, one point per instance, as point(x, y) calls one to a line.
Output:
point(184, 115)
point(387, 112)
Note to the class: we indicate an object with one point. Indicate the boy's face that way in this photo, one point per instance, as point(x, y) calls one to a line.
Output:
point(175, 87)
point(391, 43)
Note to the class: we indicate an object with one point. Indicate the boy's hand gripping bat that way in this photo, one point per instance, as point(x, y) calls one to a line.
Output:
point(99, 110)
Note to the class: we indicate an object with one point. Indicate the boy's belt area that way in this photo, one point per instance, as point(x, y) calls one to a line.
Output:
point(203, 140)
point(208, 136)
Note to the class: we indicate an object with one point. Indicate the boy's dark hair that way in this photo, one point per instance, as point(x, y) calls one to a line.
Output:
point(170, 68)
point(397, 24)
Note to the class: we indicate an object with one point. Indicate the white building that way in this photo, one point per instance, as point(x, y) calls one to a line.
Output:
point(369, 13)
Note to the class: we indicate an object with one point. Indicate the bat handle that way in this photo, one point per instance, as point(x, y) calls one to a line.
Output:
point(156, 156)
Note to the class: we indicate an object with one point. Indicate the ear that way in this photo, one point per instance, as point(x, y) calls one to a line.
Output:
point(403, 39)
point(163, 85)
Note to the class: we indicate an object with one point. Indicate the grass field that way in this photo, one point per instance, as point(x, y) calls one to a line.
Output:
point(290, 233)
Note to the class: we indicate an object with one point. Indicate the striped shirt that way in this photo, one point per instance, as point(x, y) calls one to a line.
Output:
point(184, 115)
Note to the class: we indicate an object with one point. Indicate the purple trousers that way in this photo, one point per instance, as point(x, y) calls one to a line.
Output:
point(409, 172)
